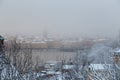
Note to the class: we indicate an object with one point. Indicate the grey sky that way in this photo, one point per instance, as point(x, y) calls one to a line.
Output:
point(69, 17)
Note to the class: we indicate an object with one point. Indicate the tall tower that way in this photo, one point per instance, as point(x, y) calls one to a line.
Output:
point(45, 35)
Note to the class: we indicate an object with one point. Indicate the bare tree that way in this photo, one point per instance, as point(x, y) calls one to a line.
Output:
point(19, 54)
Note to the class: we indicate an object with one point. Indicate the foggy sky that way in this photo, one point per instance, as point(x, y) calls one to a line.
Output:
point(65, 17)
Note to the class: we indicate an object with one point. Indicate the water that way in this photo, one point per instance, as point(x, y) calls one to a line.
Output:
point(52, 55)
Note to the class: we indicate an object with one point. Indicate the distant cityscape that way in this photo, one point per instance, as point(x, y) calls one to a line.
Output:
point(48, 41)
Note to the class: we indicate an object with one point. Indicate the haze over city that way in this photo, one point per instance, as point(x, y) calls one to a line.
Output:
point(59, 39)
point(63, 17)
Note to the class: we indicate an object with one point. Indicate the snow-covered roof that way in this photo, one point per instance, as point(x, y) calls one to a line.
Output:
point(100, 66)
point(118, 51)
point(68, 66)
point(50, 72)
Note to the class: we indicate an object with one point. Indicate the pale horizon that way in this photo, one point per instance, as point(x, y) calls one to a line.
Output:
point(80, 17)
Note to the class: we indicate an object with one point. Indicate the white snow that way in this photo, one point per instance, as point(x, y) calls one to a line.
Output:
point(68, 66)
point(100, 66)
